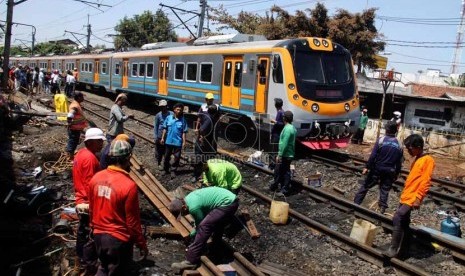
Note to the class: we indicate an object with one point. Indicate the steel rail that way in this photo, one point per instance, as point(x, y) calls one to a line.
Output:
point(457, 250)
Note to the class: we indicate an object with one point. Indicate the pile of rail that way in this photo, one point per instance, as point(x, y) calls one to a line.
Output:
point(160, 198)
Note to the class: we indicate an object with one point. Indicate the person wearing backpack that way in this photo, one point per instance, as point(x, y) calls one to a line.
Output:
point(383, 167)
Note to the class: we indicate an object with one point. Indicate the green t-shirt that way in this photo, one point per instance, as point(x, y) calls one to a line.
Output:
point(222, 173)
point(363, 121)
point(287, 141)
point(200, 202)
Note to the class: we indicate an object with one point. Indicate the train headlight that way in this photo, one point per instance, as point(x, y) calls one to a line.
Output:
point(304, 103)
point(316, 42)
point(354, 102)
point(347, 107)
point(295, 97)
point(325, 43)
point(315, 107)
point(291, 86)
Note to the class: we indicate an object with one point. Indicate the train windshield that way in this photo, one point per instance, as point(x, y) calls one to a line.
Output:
point(323, 76)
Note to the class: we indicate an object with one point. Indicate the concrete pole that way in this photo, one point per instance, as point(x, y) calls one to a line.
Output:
point(386, 84)
point(6, 50)
point(203, 6)
point(89, 31)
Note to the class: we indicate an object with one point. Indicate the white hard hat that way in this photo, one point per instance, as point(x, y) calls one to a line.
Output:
point(397, 113)
point(162, 103)
point(94, 134)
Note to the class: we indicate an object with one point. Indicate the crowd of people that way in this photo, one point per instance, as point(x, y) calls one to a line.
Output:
point(107, 200)
point(38, 80)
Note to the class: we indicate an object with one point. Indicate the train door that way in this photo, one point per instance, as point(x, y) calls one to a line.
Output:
point(232, 81)
point(125, 73)
point(262, 85)
point(163, 67)
point(97, 71)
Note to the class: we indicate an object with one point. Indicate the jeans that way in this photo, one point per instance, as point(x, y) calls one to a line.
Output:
point(282, 175)
point(212, 224)
point(73, 140)
point(402, 217)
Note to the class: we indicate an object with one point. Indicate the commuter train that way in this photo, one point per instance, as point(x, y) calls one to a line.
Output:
point(313, 76)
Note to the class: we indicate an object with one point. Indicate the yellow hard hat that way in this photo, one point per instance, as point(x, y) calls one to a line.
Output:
point(209, 96)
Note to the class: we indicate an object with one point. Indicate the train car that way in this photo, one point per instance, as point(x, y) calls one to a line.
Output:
point(313, 76)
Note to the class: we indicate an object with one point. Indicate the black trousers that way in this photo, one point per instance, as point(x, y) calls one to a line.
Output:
point(282, 175)
point(115, 255)
point(385, 180)
point(176, 152)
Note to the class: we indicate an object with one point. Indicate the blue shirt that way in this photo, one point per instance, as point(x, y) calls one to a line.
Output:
point(279, 125)
point(158, 125)
point(174, 130)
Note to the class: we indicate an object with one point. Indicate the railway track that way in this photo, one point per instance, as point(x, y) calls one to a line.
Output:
point(444, 191)
point(365, 252)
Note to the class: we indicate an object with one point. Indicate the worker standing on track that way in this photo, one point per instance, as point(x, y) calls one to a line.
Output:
point(278, 125)
point(416, 187)
point(117, 117)
point(383, 167)
point(286, 152)
point(85, 166)
point(158, 130)
point(77, 122)
point(221, 173)
point(212, 209)
point(174, 136)
point(115, 214)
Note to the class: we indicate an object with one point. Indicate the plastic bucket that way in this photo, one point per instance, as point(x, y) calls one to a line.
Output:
point(364, 231)
point(279, 212)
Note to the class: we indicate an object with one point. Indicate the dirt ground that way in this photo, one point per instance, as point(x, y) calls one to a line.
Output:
point(26, 229)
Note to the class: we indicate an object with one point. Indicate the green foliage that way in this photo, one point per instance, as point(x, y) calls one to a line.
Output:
point(41, 49)
point(142, 29)
point(357, 32)
point(459, 82)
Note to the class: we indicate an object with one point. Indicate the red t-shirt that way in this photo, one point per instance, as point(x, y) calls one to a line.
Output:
point(85, 166)
point(114, 206)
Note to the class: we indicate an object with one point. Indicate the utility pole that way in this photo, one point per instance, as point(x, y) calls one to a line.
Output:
point(6, 50)
point(203, 6)
point(386, 77)
point(458, 42)
point(33, 34)
point(89, 32)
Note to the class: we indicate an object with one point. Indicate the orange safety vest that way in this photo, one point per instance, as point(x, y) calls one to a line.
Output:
point(79, 122)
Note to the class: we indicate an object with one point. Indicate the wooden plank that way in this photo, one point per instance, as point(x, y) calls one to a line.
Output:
point(191, 273)
point(162, 231)
point(277, 269)
point(250, 225)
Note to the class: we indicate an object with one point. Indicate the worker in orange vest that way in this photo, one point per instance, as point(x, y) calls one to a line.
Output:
point(77, 122)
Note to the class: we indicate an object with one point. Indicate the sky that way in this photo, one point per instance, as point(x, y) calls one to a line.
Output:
point(419, 34)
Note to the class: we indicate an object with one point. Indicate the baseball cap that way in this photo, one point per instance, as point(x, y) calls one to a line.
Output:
point(119, 148)
point(365, 110)
point(175, 208)
point(209, 96)
point(94, 134)
point(162, 103)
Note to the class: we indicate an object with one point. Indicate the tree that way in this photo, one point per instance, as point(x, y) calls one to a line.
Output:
point(357, 32)
point(459, 82)
point(144, 28)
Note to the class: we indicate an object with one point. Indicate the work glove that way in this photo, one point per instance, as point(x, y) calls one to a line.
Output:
point(82, 208)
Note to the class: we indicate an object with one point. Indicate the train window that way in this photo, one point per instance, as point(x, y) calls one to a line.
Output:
point(104, 68)
point(86, 67)
point(227, 73)
point(277, 69)
point(134, 70)
point(237, 74)
point(117, 68)
point(179, 71)
point(262, 71)
point(162, 70)
point(90, 67)
point(167, 68)
point(191, 74)
point(206, 70)
point(53, 66)
point(43, 65)
point(149, 70)
point(141, 69)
